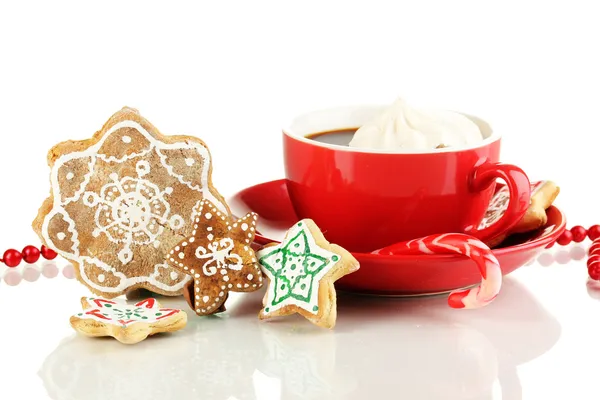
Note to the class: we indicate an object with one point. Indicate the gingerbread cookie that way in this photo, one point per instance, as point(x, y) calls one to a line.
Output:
point(128, 324)
point(543, 194)
point(121, 200)
point(301, 272)
point(218, 255)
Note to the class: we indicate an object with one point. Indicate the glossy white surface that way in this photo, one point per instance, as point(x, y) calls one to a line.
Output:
point(531, 343)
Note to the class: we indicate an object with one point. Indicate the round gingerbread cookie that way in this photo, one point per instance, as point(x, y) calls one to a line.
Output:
point(121, 200)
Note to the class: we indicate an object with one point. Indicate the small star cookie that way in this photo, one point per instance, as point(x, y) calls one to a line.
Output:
point(301, 272)
point(218, 255)
point(128, 324)
point(121, 200)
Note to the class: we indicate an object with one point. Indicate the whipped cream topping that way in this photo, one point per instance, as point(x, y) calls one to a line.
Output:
point(403, 127)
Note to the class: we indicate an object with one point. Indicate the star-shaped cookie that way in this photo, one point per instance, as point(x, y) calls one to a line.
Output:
point(218, 255)
point(301, 272)
point(128, 324)
point(121, 200)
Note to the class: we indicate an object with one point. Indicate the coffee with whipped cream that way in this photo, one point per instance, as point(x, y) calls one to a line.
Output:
point(402, 127)
point(341, 137)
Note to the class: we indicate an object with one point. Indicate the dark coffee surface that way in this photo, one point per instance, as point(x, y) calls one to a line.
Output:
point(339, 138)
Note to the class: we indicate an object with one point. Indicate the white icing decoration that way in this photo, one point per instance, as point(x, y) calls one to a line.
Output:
point(101, 278)
point(205, 156)
point(58, 201)
point(142, 168)
point(123, 235)
point(71, 229)
point(61, 236)
point(131, 215)
point(219, 256)
point(126, 139)
point(189, 162)
point(70, 176)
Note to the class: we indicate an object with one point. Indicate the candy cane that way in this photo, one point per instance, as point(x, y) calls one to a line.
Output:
point(458, 243)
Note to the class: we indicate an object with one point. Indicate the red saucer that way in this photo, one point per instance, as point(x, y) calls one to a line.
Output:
point(404, 275)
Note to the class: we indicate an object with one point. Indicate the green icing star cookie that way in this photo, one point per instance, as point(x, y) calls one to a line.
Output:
point(301, 272)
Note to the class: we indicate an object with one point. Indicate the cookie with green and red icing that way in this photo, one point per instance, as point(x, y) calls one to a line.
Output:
point(301, 272)
point(127, 323)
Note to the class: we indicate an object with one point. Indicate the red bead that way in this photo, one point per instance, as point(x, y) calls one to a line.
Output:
point(565, 238)
point(594, 248)
point(30, 254)
point(594, 232)
point(594, 272)
point(12, 258)
point(48, 254)
point(594, 258)
point(579, 233)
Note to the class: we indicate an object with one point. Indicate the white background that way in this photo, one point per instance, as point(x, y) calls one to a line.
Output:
point(231, 73)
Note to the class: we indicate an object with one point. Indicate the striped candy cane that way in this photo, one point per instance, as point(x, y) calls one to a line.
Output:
point(458, 243)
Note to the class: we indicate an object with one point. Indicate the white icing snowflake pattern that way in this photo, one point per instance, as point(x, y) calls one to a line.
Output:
point(131, 211)
point(131, 190)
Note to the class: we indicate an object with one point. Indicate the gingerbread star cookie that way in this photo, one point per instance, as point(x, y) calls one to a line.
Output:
point(301, 272)
point(218, 255)
point(543, 194)
point(128, 324)
point(121, 200)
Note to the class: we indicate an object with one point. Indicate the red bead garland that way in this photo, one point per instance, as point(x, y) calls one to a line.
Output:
point(577, 234)
point(30, 254)
point(565, 238)
point(594, 232)
point(593, 262)
point(48, 254)
point(12, 258)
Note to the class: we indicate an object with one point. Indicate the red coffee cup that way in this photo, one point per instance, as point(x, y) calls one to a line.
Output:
point(366, 199)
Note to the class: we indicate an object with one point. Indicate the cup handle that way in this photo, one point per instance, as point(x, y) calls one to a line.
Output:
point(519, 191)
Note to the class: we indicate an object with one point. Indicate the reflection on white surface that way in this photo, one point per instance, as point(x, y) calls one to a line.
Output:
point(32, 272)
point(12, 277)
point(418, 349)
point(69, 271)
point(562, 255)
point(593, 289)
